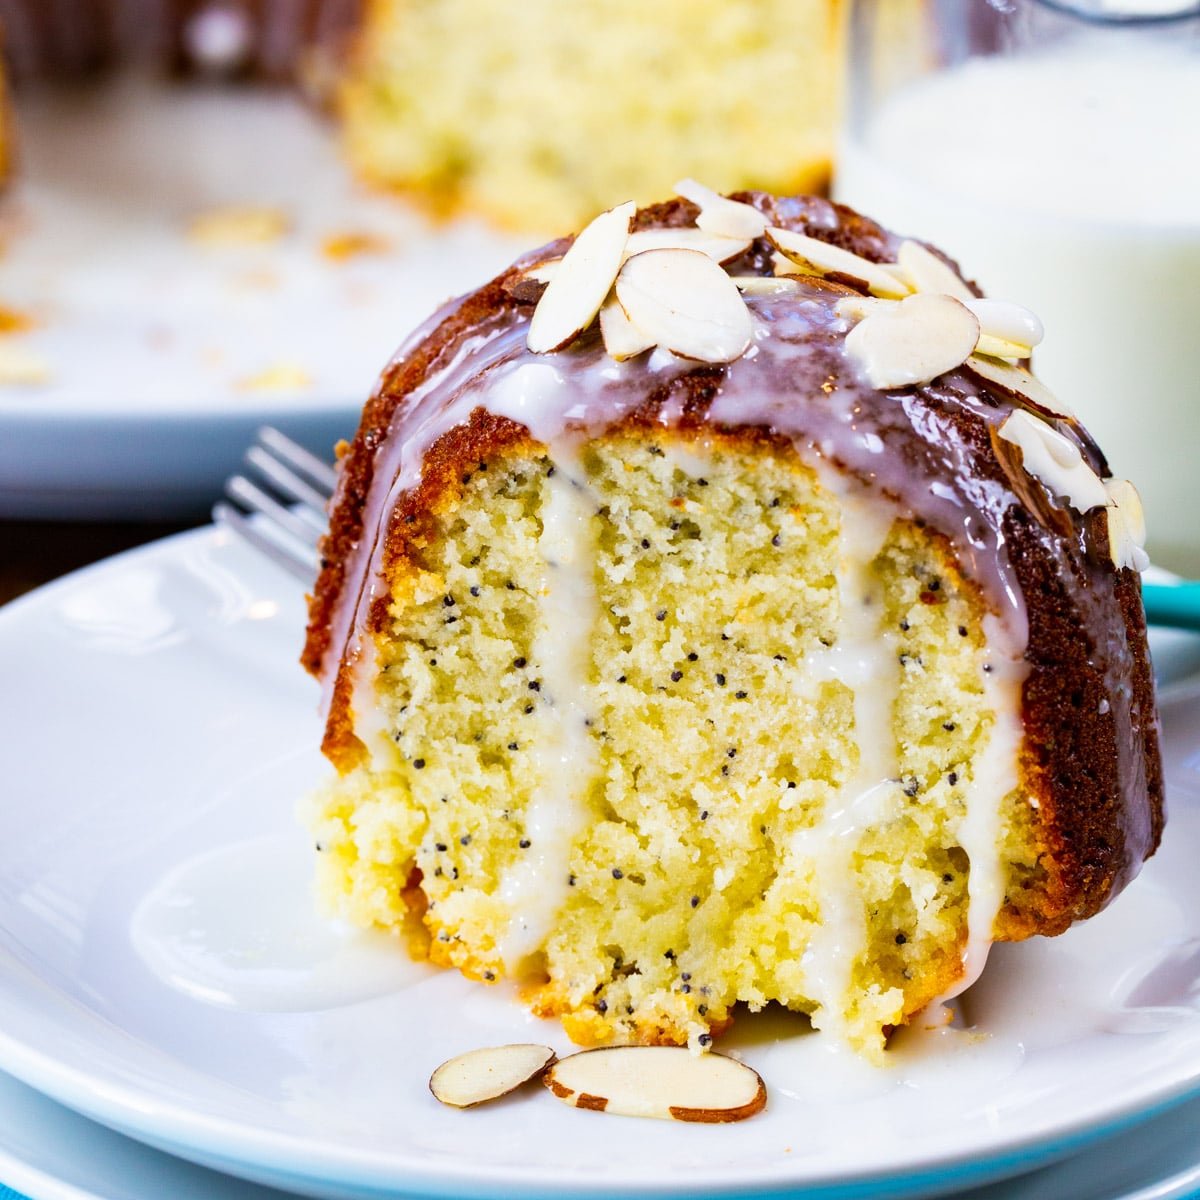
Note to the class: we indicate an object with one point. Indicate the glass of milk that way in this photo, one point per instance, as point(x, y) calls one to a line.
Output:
point(1053, 149)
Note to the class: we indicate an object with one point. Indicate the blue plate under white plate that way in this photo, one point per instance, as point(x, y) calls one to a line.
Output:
point(51, 1153)
point(158, 739)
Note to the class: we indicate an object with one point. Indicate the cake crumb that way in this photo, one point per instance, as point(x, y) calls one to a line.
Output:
point(13, 320)
point(338, 247)
point(281, 377)
point(239, 225)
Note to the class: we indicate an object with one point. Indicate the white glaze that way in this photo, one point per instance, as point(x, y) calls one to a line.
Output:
point(237, 927)
point(862, 657)
point(1004, 319)
point(993, 777)
point(564, 753)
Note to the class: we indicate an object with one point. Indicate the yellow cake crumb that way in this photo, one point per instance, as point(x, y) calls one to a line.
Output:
point(338, 247)
point(239, 225)
point(280, 377)
point(694, 882)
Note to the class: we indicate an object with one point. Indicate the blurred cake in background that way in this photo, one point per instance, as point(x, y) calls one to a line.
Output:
point(537, 114)
point(509, 110)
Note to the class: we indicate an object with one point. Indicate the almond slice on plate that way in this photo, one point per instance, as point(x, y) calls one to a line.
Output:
point(686, 303)
point(1126, 525)
point(719, 214)
point(1054, 459)
point(482, 1075)
point(913, 342)
point(622, 338)
point(928, 273)
point(1018, 382)
point(815, 257)
point(668, 1082)
point(719, 249)
point(581, 283)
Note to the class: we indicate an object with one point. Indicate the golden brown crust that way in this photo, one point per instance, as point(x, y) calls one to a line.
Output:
point(1092, 769)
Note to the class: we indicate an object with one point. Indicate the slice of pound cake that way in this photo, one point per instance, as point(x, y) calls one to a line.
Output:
point(716, 610)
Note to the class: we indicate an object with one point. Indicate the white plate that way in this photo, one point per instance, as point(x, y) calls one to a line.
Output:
point(51, 1153)
point(162, 354)
point(156, 717)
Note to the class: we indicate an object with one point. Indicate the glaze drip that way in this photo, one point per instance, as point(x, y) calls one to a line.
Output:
point(564, 752)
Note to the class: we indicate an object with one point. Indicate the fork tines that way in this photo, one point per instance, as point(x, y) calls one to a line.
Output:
point(279, 505)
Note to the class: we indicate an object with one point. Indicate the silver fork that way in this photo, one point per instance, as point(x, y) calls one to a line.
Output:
point(279, 505)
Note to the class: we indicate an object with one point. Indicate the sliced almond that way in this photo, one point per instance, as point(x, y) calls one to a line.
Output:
point(1016, 381)
point(855, 308)
point(667, 1082)
point(719, 214)
point(995, 347)
point(686, 303)
point(764, 285)
point(928, 273)
point(530, 285)
point(622, 338)
point(815, 257)
point(543, 272)
point(582, 282)
point(719, 249)
point(1055, 459)
point(482, 1075)
point(1006, 321)
point(1126, 525)
point(784, 266)
point(913, 342)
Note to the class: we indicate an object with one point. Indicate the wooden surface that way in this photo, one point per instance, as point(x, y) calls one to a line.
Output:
point(35, 552)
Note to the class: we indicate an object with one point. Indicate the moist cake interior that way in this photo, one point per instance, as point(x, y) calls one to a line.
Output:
point(631, 714)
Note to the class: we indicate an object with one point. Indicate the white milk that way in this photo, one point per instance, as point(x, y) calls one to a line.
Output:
point(1069, 181)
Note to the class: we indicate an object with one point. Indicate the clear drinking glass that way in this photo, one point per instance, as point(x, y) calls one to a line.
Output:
point(1053, 149)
